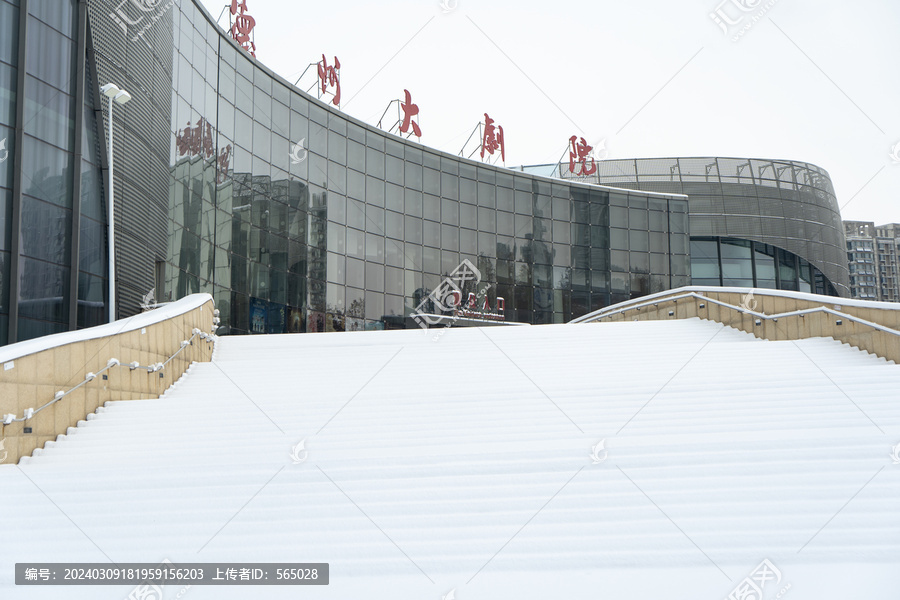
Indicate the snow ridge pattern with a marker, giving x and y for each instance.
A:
(651, 459)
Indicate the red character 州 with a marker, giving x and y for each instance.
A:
(330, 76)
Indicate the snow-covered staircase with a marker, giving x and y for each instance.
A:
(474, 462)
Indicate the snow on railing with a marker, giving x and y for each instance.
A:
(658, 299)
(29, 413)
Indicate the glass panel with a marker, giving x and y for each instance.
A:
(737, 266)
(487, 219)
(638, 240)
(413, 228)
(468, 216)
(92, 247)
(393, 197)
(92, 293)
(375, 163)
(47, 172)
(374, 277)
(49, 115)
(393, 225)
(806, 280)
(618, 238)
(640, 285)
(337, 148)
(394, 170)
(618, 260)
(375, 247)
(787, 270)
(30, 328)
(432, 207)
(413, 203)
(5, 222)
(765, 265)
(49, 55)
(374, 191)
(450, 238)
(46, 230)
(356, 156)
(9, 33)
(637, 218)
(449, 211)
(43, 291)
(639, 262)
(355, 243)
(432, 182)
(449, 186)
(355, 274)
(705, 262)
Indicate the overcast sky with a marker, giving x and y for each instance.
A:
(815, 81)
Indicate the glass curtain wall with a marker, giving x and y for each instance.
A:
(47, 162)
(354, 227)
(742, 263)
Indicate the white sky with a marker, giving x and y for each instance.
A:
(814, 81)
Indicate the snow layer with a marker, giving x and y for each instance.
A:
(468, 460)
(828, 301)
(145, 319)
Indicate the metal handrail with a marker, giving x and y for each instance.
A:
(742, 310)
(112, 362)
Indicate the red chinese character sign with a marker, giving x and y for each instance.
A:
(409, 111)
(199, 140)
(580, 152)
(329, 76)
(488, 139)
(492, 139)
(406, 110)
(242, 26)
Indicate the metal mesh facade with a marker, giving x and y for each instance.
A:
(137, 58)
(787, 204)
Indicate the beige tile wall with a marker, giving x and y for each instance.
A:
(34, 379)
(885, 345)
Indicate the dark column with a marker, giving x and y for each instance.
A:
(17, 178)
(80, 48)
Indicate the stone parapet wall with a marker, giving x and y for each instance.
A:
(33, 372)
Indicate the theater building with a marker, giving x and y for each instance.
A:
(297, 217)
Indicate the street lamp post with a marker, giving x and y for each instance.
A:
(112, 92)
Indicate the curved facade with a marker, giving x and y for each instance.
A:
(784, 205)
(353, 229)
(355, 234)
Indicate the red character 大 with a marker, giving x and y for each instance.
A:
(329, 76)
(493, 138)
(409, 111)
(580, 152)
(243, 25)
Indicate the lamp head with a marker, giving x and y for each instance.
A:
(122, 97)
(110, 90)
